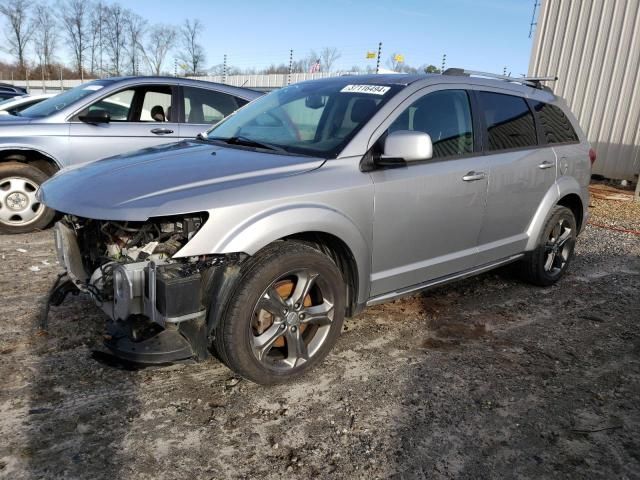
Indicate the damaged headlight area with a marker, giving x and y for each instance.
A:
(156, 303)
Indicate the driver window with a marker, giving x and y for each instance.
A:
(118, 105)
(446, 117)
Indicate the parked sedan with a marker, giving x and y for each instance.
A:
(95, 120)
(13, 106)
(10, 91)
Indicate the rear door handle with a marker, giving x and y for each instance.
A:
(161, 131)
(545, 164)
(473, 176)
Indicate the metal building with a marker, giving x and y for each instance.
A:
(593, 47)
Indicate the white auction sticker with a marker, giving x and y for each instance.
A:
(372, 89)
(95, 88)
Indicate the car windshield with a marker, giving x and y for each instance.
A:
(311, 118)
(52, 105)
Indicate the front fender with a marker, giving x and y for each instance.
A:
(31, 148)
(562, 187)
(258, 231)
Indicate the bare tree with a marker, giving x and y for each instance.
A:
(192, 53)
(328, 56)
(45, 36)
(159, 41)
(393, 63)
(97, 19)
(20, 30)
(75, 19)
(114, 36)
(135, 28)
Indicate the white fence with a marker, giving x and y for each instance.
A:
(250, 81)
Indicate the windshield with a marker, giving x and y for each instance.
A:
(312, 118)
(52, 105)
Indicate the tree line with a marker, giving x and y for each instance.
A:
(100, 39)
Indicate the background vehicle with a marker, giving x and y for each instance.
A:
(96, 120)
(9, 91)
(13, 106)
(318, 200)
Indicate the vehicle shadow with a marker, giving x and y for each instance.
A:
(514, 381)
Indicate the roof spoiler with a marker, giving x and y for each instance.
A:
(535, 82)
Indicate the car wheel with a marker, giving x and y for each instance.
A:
(549, 261)
(20, 210)
(285, 315)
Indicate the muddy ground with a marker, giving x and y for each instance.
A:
(486, 378)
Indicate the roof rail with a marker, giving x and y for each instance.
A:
(534, 82)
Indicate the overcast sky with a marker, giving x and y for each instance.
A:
(476, 34)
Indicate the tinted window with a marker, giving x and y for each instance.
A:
(208, 106)
(446, 117)
(555, 125)
(509, 121)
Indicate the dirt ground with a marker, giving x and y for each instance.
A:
(486, 378)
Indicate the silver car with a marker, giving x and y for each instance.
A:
(255, 240)
(95, 120)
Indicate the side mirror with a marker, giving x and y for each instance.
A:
(408, 146)
(95, 117)
(314, 101)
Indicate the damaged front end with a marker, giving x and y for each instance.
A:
(157, 302)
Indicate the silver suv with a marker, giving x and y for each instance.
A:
(95, 120)
(314, 202)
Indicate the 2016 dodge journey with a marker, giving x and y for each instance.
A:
(255, 240)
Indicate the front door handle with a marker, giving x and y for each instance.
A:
(161, 131)
(473, 176)
(546, 164)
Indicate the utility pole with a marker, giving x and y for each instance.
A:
(61, 84)
(224, 69)
(379, 57)
(44, 87)
(444, 62)
(290, 66)
(175, 67)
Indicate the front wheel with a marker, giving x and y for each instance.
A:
(20, 210)
(285, 315)
(549, 261)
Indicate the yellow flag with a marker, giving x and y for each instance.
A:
(371, 54)
(398, 57)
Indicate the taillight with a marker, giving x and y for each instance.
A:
(592, 156)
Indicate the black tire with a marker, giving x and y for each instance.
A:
(19, 222)
(235, 335)
(539, 267)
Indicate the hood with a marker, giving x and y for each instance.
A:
(151, 182)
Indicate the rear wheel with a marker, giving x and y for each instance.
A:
(20, 210)
(285, 316)
(549, 261)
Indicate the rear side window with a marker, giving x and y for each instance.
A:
(508, 120)
(555, 125)
(208, 106)
(446, 116)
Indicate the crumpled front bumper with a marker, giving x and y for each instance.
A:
(156, 310)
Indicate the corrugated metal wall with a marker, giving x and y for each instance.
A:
(593, 46)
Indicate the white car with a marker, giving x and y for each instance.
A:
(15, 105)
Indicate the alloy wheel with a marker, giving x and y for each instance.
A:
(291, 320)
(557, 249)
